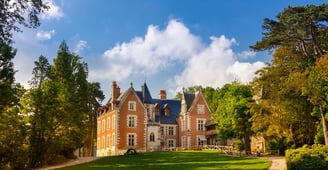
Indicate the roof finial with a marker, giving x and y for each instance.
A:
(131, 84)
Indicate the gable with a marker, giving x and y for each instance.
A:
(200, 100)
(130, 95)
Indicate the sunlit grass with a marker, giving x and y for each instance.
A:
(186, 160)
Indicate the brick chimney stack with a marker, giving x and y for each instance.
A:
(115, 90)
(162, 94)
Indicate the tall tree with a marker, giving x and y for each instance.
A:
(232, 114)
(299, 38)
(39, 118)
(317, 90)
(95, 97)
(304, 28)
(40, 72)
(69, 73)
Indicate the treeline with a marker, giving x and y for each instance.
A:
(57, 115)
(287, 102)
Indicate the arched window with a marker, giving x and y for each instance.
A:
(152, 137)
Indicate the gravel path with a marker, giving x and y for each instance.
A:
(278, 163)
(70, 163)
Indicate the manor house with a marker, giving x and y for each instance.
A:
(134, 119)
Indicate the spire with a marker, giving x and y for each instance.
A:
(146, 94)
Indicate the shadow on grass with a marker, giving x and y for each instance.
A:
(175, 160)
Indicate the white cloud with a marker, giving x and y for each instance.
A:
(246, 54)
(80, 46)
(176, 48)
(54, 11)
(215, 66)
(148, 55)
(45, 35)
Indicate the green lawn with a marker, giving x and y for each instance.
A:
(186, 160)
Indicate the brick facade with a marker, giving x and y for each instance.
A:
(133, 119)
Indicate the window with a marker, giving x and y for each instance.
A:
(132, 121)
(132, 106)
(108, 141)
(131, 139)
(162, 130)
(98, 127)
(171, 130)
(157, 111)
(200, 109)
(113, 139)
(200, 125)
(171, 143)
(103, 124)
(103, 142)
(98, 143)
(108, 123)
(113, 122)
(200, 140)
(152, 137)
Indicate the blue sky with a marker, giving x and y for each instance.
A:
(170, 44)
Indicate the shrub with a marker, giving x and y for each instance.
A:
(315, 157)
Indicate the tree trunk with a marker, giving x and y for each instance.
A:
(324, 125)
(247, 143)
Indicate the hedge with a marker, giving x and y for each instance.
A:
(308, 157)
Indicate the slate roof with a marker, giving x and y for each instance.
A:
(146, 98)
(175, 107)
(144, 95)
(189, 98)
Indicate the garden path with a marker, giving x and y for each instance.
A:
(278, 163)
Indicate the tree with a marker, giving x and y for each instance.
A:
(7, 53)
(35, 107)
(40, 72)
(95, 97)
(304, 28)
(232, 114)
(282, 111)
(15, 13)
(70, 74)
(299, 38)
(317, 91)
(13, 134)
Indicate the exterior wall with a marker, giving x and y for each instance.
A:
(196, 134)
(139, 130)
(105, 132)
(113, 126)
(166, 137)
(156, 144)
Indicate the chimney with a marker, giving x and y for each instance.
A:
(115, 91)
(162, 94)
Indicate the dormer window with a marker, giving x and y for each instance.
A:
(132, 106)
(157, 110)
(167, 110)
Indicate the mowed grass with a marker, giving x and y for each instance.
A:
(184, 160)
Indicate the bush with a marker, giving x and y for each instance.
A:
(307, 157)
